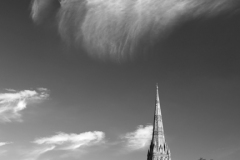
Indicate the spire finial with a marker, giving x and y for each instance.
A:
(157, 95)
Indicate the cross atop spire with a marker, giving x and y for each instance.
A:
(158, 148)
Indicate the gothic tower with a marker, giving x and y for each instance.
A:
(158, 148)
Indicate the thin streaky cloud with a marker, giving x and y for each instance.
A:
(4, 143)
(10, 90)
(138, 139)
(3, 152)
(72, 141)
(13, 103)
(37, 152)
(43, 89)
(224, 152)
(71, 144)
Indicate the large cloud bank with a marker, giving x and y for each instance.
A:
(114, 28)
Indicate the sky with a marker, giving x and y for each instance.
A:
(59, 103)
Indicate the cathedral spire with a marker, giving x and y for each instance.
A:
(158, 134)
(158, 148)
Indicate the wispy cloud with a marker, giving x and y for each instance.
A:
(138, 139)
(36, 153)
(71, 143)
(10, 90)
(226, 152)
(4, 143)
(12, 103)
(3, 151)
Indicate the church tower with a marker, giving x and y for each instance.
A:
(158, 148)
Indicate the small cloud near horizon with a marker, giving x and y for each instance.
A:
(4, 143)
(138, 139)
(37, 152)
(70, 143)
(14, 102)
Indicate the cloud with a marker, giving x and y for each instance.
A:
(115, 28)
(65, 141)
(10, 90)
(70, 143)
(226, 152)
(13, 103)
(3, 151)
(37, 152)
(4, 143)
(138, 139)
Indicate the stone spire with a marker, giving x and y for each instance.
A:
(158, 147)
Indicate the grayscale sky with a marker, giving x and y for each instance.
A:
(58, 103)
